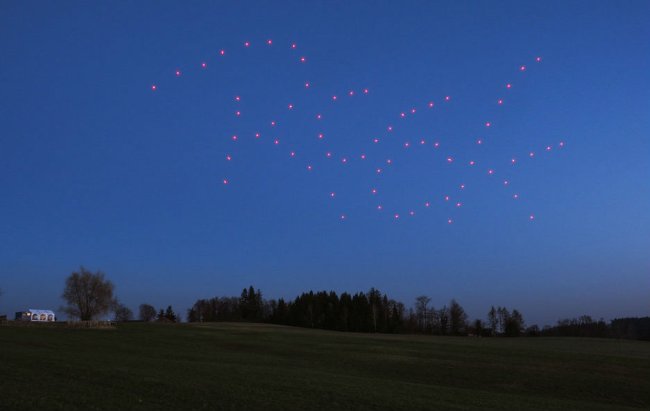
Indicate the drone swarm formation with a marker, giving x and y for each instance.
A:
(378, 165)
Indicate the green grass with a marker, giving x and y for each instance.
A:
(263, 367)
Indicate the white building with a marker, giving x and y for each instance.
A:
(36, 315)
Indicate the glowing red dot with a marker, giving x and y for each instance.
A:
(351, 93)
(500, 101)
(447, 98)
(154, 87)
(412, 111)
(344, 160)
(522, 68)
(402, 115)
(309, 167)
(375, 140)
(548, 148)
(513, 160)
(506, 182)
(320, 136)
(396, 216)
(379, 207)
(222, 52)
(538, 59)
(178, 73)
(462, 186)
(531, 217)
(365, 91)
(378, 171)
(228, 157)
(459, 204)
(225, 181)
(374, 191)
(472, 162)
(508, 85)
(531, 154)
(389, 128)
(293, 46)
(257, 135)
(303, 59)
(234, 138)
(273, 123)
(334, 98)
(427, 204)
(290, 106)
(332, 194)
(446, 198)
(246, 44)
(488, 124)
(407, 144)
(479, 141)
(422, 142)
(319, 116)
(237, 98)
(363, 156)
(436, 144)
(269, 42)
(238, 113)
(561, 144)
(431, 104)
(389, 161)
(204, 65)
(276, 141)
(450, 159)
(307, 84)
(450, 221)
(490, 171)
(328, 154)
(292, 154)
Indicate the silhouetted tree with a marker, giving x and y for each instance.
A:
(502, 317)
(637, 328)
(88, 295)
(443, 321)
(478, 328)
(457, 319)
(170, 314)
(122, 313)
(514, 323)
(250, 304)
(532, 331)
(493, 321)
(422, 312)
(147, 312)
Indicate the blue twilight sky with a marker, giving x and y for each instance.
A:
(98, 170)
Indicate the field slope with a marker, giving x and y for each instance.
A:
(262, 367)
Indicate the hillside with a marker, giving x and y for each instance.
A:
(231, 366)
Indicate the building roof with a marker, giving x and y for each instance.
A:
(39, 312)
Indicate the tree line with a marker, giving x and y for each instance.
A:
(89, 295)
(370, 311)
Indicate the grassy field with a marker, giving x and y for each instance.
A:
(264, 367)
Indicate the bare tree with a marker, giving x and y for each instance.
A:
(421, 310)
(493, 320)
(123, 313)
(147, 312)
(88, 295)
